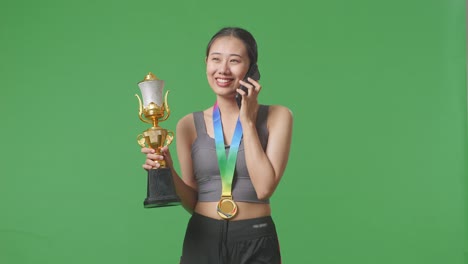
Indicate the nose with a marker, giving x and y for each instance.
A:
(224, 69)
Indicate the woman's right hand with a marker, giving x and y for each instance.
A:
(152, 158)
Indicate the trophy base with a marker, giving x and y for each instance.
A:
(161, 190)
(160, 203)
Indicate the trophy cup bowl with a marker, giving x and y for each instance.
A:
(160, 186)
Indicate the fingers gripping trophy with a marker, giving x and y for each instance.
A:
(160, 187)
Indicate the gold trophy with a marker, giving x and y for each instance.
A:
(160, 187)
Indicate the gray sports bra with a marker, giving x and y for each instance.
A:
(206, 169)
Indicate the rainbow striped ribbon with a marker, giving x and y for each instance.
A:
(226, 164)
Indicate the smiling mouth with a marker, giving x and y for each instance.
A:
(224, 82)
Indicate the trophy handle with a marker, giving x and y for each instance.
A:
(141, 140)
(140, 112)
(169, 137)
(166, 106)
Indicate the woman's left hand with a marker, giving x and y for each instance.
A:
(249, 107)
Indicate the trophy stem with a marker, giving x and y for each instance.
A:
(162, 163)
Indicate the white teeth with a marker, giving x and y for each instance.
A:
(222, 80)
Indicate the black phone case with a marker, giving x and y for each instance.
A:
(253, 73)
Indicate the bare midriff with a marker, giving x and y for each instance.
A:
(244, 210)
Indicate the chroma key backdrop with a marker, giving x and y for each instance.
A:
(377, 169)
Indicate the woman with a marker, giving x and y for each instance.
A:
(228, 197)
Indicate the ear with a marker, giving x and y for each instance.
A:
(206, 59)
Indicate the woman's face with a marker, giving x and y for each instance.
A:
(226, 64)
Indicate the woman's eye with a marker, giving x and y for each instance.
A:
(215, 59)
(235, 61)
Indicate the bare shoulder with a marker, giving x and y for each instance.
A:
(186, 128)
(279, 114)
(186, 122)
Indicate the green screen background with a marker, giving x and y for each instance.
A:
(378, 160)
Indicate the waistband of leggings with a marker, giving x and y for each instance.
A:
(240, 229)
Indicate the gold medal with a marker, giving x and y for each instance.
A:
(227, 208)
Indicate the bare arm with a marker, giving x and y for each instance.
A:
(186, 135)
(267, 167)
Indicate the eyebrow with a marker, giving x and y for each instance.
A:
(219, 53)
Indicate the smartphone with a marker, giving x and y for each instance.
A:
(253, 73)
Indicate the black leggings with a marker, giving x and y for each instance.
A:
(211, 241)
